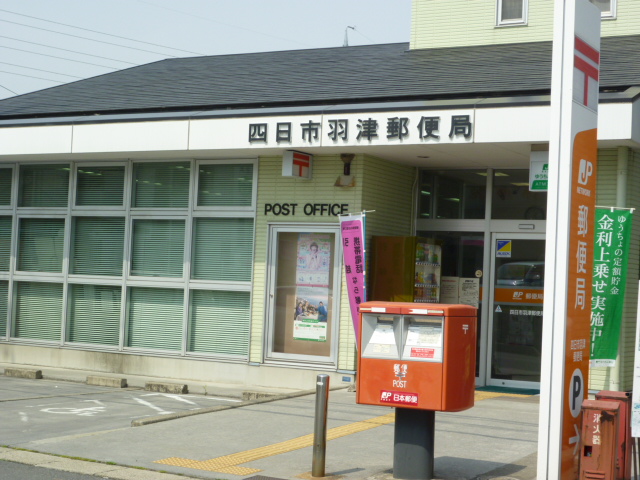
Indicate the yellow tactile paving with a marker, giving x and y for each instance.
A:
(229, 463)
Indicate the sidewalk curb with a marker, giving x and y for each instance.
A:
(173, 416)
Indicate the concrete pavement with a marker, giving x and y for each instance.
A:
(495, 439)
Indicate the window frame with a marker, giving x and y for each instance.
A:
(17, 190)
(13, 189)
(132, 194)
(126, 194)
(500, 22)
(232, 210)
(611, 14)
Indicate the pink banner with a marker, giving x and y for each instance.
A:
(352, 229)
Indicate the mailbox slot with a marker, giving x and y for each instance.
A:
(423, 338)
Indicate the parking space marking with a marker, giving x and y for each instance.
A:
(170, 395)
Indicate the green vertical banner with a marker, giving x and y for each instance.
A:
(611, 258)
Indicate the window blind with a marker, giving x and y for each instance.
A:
(512, 10)
(98, 245)
(94, 314)
(158, 248)
(225, 185)
(219, 322)
(38, 311)
(44, 185)
(41, 244)
(161, 185)
(222, 249)
(5, 186)
(5, 243)
(155, 318)
(100, 186)
(4, 303)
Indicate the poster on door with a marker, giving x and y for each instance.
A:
(314, 259)
(311, 315)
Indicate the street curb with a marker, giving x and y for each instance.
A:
(165, 387)
(173, 416)
(106, 381)
(23, 373)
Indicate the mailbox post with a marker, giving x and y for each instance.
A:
(418, 358)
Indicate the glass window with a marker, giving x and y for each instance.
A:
(38, 311)
(4, 303)
(5, 185)
(607, 7)
(219, 322)
(98, 245)
(222, 249)
(512, 12)
(512, 200)
(100, 186)
(158, 248)
(229, 185)
(41, 245)
(161, 185)
(44, 186)
(5, 243)
(155, 318)
(94, 314)
(462, 267)
(453, 194)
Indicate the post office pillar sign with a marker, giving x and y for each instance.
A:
(297, 164)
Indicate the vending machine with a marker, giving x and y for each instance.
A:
(405, 269)
(417, 356)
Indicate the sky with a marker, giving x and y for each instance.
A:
(46, 43)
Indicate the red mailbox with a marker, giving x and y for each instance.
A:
(598, 439)
(417, 355)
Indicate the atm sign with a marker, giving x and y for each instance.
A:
(399, 398)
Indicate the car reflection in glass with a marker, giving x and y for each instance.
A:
(521, 274)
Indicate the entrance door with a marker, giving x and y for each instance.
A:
(303, 294)
(516, 300)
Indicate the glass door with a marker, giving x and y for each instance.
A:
(517, 267)
(303, 294)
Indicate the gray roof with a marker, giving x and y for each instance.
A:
(374, 73)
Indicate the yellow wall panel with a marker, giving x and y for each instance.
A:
(434, 23)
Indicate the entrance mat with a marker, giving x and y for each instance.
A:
(506, 390)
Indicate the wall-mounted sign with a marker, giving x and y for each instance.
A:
(308, 209)
(539, 172)
(297, 164)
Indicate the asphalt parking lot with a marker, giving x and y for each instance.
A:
(37, 410)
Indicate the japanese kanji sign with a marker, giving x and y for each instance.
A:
(572, 173)
(611, 255)
(352, 229)
(407, 127)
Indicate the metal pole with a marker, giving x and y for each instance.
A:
(413, 444)
(320, 426)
